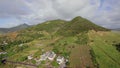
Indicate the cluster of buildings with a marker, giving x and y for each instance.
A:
(50, 55)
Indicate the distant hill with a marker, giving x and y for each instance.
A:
(19, 27)
(117, 29)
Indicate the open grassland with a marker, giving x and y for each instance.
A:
(106, 54)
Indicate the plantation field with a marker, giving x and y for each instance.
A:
(106, 54)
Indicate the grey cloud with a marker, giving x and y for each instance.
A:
(108, 17)
(11, 8)
(36, 11)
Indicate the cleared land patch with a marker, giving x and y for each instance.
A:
(80, 57)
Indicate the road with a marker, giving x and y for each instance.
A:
(13, 62)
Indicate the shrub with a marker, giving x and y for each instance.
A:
(23, 58)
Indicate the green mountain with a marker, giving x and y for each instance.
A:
(83, 43)
(60, 27)
(78, 25)
(49, 29)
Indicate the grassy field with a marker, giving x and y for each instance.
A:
(106, 54)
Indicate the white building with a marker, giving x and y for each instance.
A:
(60, 59)
(30, 57)
(20, 45)
(51, 56)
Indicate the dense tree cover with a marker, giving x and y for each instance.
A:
(56, 50)
(2, 56)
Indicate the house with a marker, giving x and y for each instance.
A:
(30, 57)
(51, 55)
(60, 59)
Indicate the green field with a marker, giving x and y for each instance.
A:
(106, 54)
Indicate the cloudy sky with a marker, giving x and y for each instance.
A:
(102, 12)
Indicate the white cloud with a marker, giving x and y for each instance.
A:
(61, 9)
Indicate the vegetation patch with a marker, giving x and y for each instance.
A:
(117, 46)
(94, 58)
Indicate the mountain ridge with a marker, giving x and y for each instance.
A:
(116, 29)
